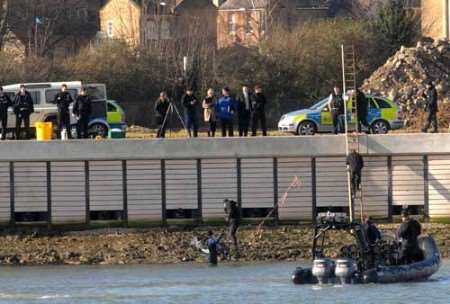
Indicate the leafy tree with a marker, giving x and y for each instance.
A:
(394, 25)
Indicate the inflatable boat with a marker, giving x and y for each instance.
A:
(360, 264)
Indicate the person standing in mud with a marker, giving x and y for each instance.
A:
(431, 107)
(213, 243)
(233, 219)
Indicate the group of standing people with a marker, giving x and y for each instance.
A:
(248, 107)
(82, 110)
(23, 107)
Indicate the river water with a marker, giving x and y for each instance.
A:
(200, 284)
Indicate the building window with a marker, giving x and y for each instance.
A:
(262, 23)
(248, 23)
(413, 3)
(231, 23)
(110, 29)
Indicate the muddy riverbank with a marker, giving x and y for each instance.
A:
(155, 246)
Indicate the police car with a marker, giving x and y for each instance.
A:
(382, 115)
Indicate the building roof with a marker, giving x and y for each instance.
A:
(244, 4)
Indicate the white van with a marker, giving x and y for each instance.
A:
(43, 95)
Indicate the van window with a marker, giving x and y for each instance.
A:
(372, 104)
(50, 94)
(111, 107)
(96, 92)
(383, 104)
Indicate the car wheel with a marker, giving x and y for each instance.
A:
(98, 129)
(306, 128)
(380, 127)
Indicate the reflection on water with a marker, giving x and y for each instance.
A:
(193, 283)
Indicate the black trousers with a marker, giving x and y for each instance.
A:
(244, 123)
(233, 226)
(259, 117)
(192, 124)
(82, 127)
(25, 119)
(4, 119)
(161, 132)
(431, 122)
(212, 125)
(356, 181)
(227, 125)
(64, 122)
(362, 121)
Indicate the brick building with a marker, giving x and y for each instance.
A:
(141, 21)
(246, 22)
(436, 18)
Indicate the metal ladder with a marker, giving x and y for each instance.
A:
(352, 141)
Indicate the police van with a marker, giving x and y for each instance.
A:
(45, 110)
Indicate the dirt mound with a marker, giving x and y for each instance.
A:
(403, 78)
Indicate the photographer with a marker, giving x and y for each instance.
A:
(162, 105)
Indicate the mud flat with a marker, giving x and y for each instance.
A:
(172, 245)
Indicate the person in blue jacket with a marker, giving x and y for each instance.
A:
(225, 109)
(213, 244)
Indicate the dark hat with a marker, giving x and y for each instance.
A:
(210, 233)
(405, 212)
(430, 83)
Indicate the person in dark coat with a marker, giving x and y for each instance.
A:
(355, 164)
(225, 109)
(23, 107)
(5, 103)
(213, 244)
(63, 101)
(233, 219)
(82, 109)
(408, 233)
(190, 104)
(362, 106)
(259, 103)
(372, 235)
(337, 110)
(162, 105)
(431, 98)
(244, 102)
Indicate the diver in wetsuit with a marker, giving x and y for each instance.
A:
(233, 218)
(213, 243)
(408, 232)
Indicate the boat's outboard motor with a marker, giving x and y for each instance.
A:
(303, 276)
(345, 268)
(322, 270)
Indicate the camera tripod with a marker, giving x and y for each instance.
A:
(168, 118)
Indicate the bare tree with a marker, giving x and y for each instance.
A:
(42, 25)
(3, 20)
